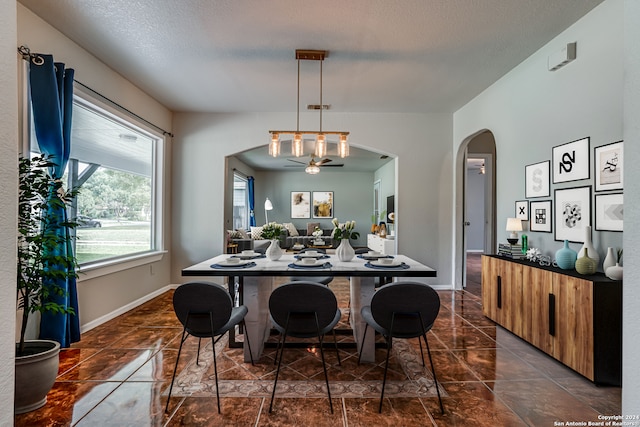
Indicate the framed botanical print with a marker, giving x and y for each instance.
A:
(323, 204)
(522, 210)
(572, 213)
(540, 216)
(300, 204)
(609, 212)
(571, 161)
(536, 179)
(608, 166)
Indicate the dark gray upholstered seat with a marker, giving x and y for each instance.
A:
(205, 310)
(403, 310)
(303, 310)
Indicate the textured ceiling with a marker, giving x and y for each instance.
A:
(384, 55)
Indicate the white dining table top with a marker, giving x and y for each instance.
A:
(266, 267)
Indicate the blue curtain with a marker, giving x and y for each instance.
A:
(52, 102)
(252, 202)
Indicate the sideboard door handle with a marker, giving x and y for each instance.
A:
(552, 315)
(499, 292)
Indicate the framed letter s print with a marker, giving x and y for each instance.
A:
(536, 178)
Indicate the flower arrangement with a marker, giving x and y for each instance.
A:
(317, 233)
(345, 231)
(271, 231)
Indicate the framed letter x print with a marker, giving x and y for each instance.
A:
(540, 216)
(536, 178)
(522, 210)
(571, 161)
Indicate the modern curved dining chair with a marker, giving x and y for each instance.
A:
(325, 280)
(205, 310)
(303, 310)
(403, 310)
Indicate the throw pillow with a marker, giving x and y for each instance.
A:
(243, 233)
(311, 226)
(256, 233)
(233, 234)
(291, 229)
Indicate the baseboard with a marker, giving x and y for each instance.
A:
(475, 251)
(103, 319)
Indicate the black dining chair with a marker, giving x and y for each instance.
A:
(205, 310)
(325, 280)
(303, 310)
(403, 310)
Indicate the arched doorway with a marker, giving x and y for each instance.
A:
(475, 207)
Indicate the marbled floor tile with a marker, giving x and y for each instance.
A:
(198, 411)
(478, 319)
(146, 337)
(395, 412)
(450, 368)
(606, 400)
(67, 402)
(542, 402)
(450, 320)
(464, 338)
(497, 364)
(160, 366)
(131, 404)
(102, 336)
(108, 365)
(301, 412)
(543, 363)
(70, 357)
(161, 318)
(471, 404)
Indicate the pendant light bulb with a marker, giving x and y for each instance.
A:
(274, 145)
(343, 146)
(321, 145)
(296, 145)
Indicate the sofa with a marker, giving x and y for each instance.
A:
(251, 240)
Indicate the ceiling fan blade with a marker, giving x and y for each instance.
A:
(339, 165)
(323, 161)
(295, 161)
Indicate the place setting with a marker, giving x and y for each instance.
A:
(234, 262)
(311, 263)
(374, 256)
(311, 255)
(248, 254)
(386, 263)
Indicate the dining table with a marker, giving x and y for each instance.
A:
(259, 273)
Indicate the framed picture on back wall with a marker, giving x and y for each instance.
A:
(608, 166)
(540, 216)
(536, 178)
(572, 213)
(300, 204)
(571, 161)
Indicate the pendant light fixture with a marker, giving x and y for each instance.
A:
(297, 143)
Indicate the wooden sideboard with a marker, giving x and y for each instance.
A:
(574, 318)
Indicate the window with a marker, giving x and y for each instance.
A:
(114, 162)
(240, 202)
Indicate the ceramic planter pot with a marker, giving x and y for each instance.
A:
(35, 374)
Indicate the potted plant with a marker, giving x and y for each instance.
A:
(272, 231)
(344, 232)
(39, 260)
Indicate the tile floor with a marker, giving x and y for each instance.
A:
(117, 374)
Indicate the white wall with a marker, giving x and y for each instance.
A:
(100, 296)
(423, 201)
(531, 110)
(631, 288)
(9, 197)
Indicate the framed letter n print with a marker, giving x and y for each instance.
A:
(571, 161)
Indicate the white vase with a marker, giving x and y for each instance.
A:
(344, 251)
(609, 260)
(593, 253)
(614, 272)
(274, 252)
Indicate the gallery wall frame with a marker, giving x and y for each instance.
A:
(571, 161)
(608, 167)
(537, 179)
(300, 204)
(322, 204)
(541, 216)
(609, 210)
(572, 213)
(522, 210)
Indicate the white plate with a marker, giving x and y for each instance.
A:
(247, 255)
(367, 256)
(226, 263)
(318, 263)
(308, 255)
(379, 263)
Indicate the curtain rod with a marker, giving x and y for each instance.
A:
(26, 54)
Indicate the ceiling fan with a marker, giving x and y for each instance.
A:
(313, 167)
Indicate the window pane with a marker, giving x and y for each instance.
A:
(240, 203)
(112, 162)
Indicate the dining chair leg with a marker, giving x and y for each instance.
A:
(386, 367)
(275, 360)
(175, 368)
(246, 338)
(279, 357)
(364, 335)
(324, 365)
(433, 372)
(215, 363)
(198, 353)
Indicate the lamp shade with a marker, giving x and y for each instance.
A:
(514, 224)
(268, 206)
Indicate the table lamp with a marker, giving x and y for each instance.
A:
(513, 225)
(268, 206)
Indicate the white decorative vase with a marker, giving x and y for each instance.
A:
(274, 251)
(609, 260)
(593, 253)
(344, 251)
(615, 272)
